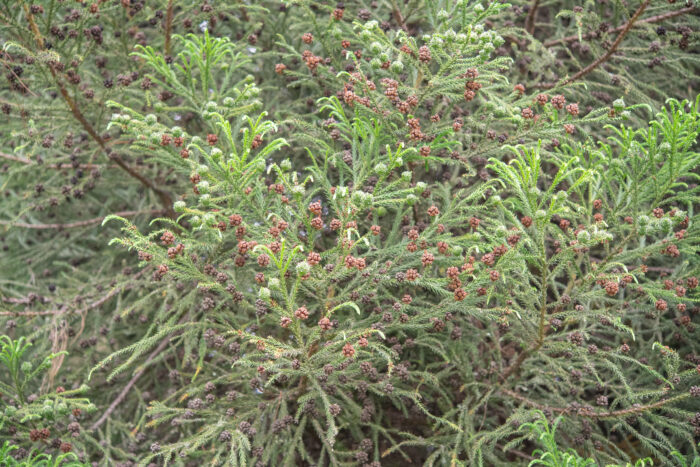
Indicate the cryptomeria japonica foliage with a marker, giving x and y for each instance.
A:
(358, 234)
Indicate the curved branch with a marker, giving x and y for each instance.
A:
(604, 58)
(163, 195)
(651, 19)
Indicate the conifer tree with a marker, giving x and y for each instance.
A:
(308, 233)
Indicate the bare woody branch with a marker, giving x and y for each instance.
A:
(651, 19)
(603, 58)
(163, 195)
(72, 225)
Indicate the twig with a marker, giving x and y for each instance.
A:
(64, 310)
(530, 20)
(660, 269)
(52, 166)
(398, 16)
(589, 413)
(128, 386)
(651, 19)
(163, 195)
(24, 300)
(516, 452)
(72, 225)
(168, 26)
(16, 76)
(15, 158)
(604, 58)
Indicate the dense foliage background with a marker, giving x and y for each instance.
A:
(443, 232)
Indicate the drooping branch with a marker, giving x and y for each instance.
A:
(163, 195)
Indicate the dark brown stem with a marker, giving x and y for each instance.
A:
(605, 57)
(398, 16)
(168, 26)
(163, 195)
(530, 20)
(511, 369)
(244, 14)
(73, 225)
(651, 19)
(16, 77)
(516, 452)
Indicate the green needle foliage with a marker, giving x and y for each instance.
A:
(443, 232)
(552, 456)
(32, 410)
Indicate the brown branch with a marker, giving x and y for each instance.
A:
(168, 26)
(530, 20)
(661, 269)
(398, 16)
(52, 166)
(16, 77)
(604, 58)
(516, 452)
(589, 413)
(72, 225)
(521, 358)
(128, 386)
(63, 310)
(15, 158)
(651, 19)
(23, 301)
(244, 14)
(163, 195)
